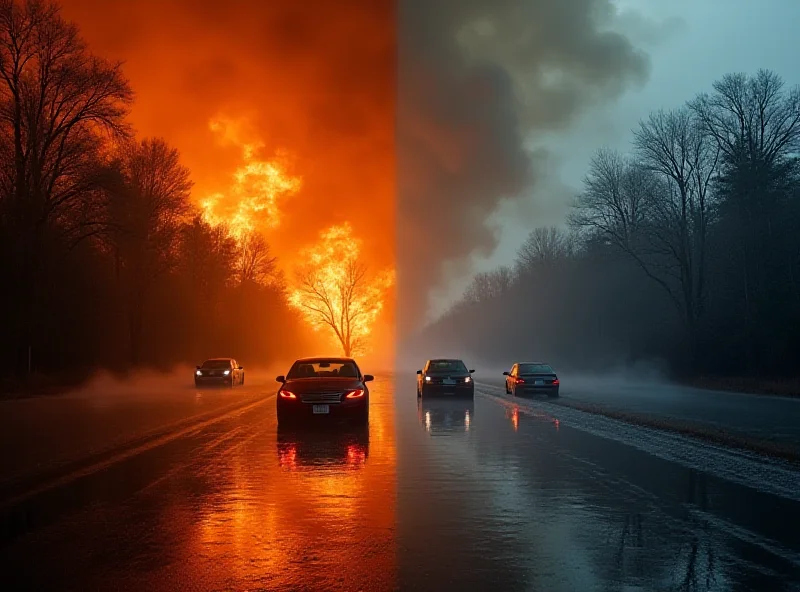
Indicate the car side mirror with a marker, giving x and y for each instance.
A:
(419, 371)
(472, 371)
(241, 367)
(281, 379)
(197, 367)
(506, 374)
(368, 378)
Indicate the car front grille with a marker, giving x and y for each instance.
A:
(329, 397)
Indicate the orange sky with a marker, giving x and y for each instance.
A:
(316, 83)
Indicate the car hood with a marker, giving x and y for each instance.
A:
(321, 385)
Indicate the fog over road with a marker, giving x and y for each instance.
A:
(497, 494)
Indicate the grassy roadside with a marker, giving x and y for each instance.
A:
(752, 386)
(696, 430)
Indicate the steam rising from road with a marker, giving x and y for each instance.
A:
(477, 81)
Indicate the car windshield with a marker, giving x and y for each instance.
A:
(323, 369)
(216, 364)
(535, 369)
(447, 366)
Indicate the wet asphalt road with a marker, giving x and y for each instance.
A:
(770, 418)
(447, 495)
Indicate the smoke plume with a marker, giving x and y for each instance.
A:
(477, 81)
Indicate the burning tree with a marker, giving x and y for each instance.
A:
(333, 289)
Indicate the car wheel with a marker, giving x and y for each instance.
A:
(241, 382)
(553, 395)
(508, 391)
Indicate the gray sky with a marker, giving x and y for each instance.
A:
(691, 43)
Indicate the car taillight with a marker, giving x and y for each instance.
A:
(556, 382)
(355, 394)
(520, 381)
(288, 394)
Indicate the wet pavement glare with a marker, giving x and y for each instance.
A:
(440, 495)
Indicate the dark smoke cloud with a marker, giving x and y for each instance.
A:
(477, 79)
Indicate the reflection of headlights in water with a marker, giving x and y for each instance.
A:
(466, 420)
(428, 421)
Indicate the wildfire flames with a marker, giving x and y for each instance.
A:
(253, 199)
(332, 288)
(334, 293)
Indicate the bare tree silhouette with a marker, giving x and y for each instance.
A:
(57, 104)
(148, 208)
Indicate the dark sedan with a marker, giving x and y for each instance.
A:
(219, 372)
(532, 378)
(324, 388)
(445, 377)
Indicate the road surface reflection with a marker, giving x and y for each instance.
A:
(439, 416)
(435, 495)
(306, 515)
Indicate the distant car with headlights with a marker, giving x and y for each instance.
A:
(446, 377)
(532, 378)
(324, 389)
(219, 372)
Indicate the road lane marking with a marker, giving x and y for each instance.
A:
(125, 451)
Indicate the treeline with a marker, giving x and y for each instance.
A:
(104, 259)
(684, 250)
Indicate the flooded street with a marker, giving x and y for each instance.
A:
(445, 495)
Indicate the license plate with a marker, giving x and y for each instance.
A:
(321, 409)
(448, 381)
(538, 382)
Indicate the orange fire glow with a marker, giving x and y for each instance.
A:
(330, 296)
(252, 202)
(286, 134)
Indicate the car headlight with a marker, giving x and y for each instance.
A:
(198, 373)
(226, 372)
(427, 379)
(468, 379)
